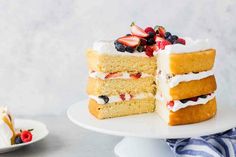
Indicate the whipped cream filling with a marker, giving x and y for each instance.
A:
(5, 131)
(108, 47)
(119, 98)
(173, 81)
(189, 47)
(179, 105)
(120, 75)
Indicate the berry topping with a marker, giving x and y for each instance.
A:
(129, 49)
(171, 103)
(137, 31)
(113, 75)
(161, 31)
(119, 46)
(149, 51)
(163, 43)
(26, 136)
(131, 40)
(143, 42)
(122, 96)
(151, 41)
(140, 48)
(180, 41)
(149, 29)
(184, 100)
(167, 34)
(18, 140)
(104, 97)
(135, 76)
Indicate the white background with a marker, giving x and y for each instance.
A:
(42, 44)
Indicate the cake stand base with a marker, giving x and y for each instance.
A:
(142, 147)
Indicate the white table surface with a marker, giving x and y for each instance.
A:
(78, 142)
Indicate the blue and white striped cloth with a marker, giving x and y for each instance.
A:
(217, 145)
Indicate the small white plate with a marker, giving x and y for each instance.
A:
(40, 132)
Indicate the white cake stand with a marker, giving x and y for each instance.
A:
(144, 134)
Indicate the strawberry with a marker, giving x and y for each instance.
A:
(149, 51)
(161, 31)
(131, 40)
(157, 38)
(122, 96)
(180, 41)
(113, 75)
(149, 29)
(171, 103)
(137, 31)
(163, 43)
(135, 76)
(26, 136)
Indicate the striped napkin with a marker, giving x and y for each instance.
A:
(217, 145)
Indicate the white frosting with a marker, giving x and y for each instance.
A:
(123, 75)
(117, 98)
(5, 131)
(178, 104)
(176, 79)
(190, 46)
(108, 47)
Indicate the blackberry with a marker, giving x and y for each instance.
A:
(119, 46)
(18, 140)
(167, 34)
(140, 48)
(151, 41)
(129, 49)
(151, 34)
(104, 97)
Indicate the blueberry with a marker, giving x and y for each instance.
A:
(151, 34)
(119, 46)
(129, 49)
(184, 100)
(140, 48)
(151, 41)
(18, 140)
(203, 96)
(104, 97)
(174, 37)
(128, 34)
(167, 34)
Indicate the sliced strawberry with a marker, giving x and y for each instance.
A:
(113, 75)
(157, 38)
(163, 43)
(135, 76)
(131, 40)
(161, 31)
(137, 31)
(171, 103)
(180, 41)
(155, 47)
(149, 29)
(194, 99)
(149, 51)
(122, 96)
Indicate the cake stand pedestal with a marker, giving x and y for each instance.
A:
(145, 134)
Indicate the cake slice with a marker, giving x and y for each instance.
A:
(120, 83)
(7, 130)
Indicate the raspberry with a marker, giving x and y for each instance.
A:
(26, 136)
